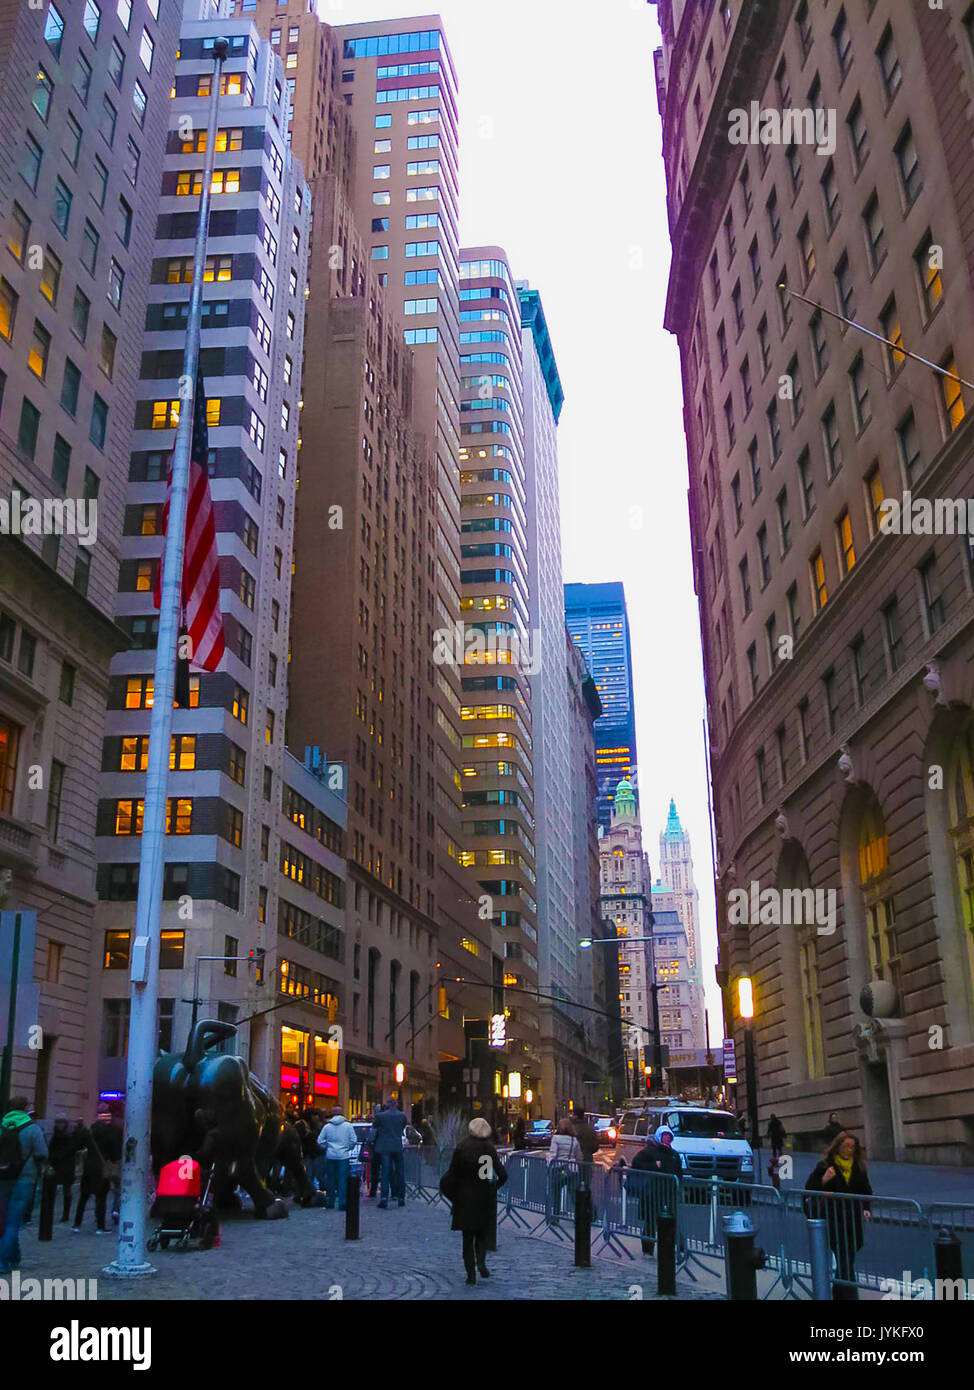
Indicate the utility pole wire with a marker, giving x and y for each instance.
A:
(896, 347)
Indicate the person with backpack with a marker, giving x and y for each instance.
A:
(23, 1155)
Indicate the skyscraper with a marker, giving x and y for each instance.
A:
(378, 531)
(676, 873)
(627, 903)
(255, 841)
(835, 650)
(84, 111)
(597, 619)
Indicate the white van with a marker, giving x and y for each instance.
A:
(709, 1141)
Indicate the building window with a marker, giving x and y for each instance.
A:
(889, 321)
(874, 498)
(752, 668)
(745, 585)
(755, 469)
(830, 196)
(794, 617)
(859, 673)
(774, 219)
(860, 394)
(893, 634)
(932, 590)
(774, 431)
(875, 233)
(889, 64)
(784, 520)
(847, 549)
(951, 395)
(927, 259)
(908, 164)
(858, 134)
(909, 446)
(833, 444)
(820, 593)
(830, 690)
(842, 41)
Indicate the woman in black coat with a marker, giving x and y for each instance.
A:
(842, 1170)
(470, 1185)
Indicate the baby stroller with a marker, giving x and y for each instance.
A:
(182, 1214)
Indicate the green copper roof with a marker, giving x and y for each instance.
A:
(674, 830)
(624, 799)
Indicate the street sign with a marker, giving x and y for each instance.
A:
(730, 1060)
(498, 1031)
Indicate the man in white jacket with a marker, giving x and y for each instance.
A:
(338, 1141)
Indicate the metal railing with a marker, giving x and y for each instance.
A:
(878, 1244)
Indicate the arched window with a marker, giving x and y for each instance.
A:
(961, 786)
(877, 898)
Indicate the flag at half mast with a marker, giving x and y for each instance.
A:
(201, 619)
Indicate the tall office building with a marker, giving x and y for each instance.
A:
(676, 872)
(670, 949)
(255, 841)
(597, 1034)
(627, 904)
(378, 532)
(836, 653)
(564, 1059)
(598, 620)
(498, 764)
(84, 114)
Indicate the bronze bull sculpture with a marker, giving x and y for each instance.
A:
(209, 1105)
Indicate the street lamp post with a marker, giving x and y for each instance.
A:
(745, 996)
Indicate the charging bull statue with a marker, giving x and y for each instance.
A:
(209, 1105)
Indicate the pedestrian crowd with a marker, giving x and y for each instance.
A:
(89, 1156)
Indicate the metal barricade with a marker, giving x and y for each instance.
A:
(704, 1202)
(421, 1166)
(957, 1218)
(876, 1243)
(629, 1202)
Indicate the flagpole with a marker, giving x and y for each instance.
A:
(136, 1165)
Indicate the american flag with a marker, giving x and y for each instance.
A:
(202, 621)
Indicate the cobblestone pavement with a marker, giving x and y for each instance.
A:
(403, 1253)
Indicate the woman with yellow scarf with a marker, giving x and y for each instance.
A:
(842, 1173)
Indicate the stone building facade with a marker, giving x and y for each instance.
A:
(838, 655)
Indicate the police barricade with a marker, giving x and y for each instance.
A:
(876, 1243)
(957, 1219)
(629, 1202)
(526, 1189)
(422, 1170)
(703, 1204)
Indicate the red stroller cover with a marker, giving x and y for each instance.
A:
(181, 1178)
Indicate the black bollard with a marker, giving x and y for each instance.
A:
(742, 1260)
(583, 1228)
(353, 1189)
(45, 1223)
(666, 1253)
(947, 1255)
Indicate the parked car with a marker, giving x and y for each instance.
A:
(538, 1134)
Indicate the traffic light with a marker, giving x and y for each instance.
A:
(256, 956)
(647, 1057)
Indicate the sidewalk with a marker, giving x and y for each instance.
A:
(404, 1253)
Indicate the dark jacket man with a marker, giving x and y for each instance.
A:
(388, 1127)
(588, 1140)
(776, 1134)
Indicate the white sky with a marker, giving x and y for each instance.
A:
(560, 164)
